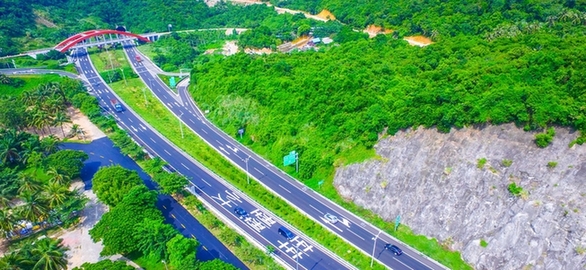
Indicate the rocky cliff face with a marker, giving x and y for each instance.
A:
(434, 182)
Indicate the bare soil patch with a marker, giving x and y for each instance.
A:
(373, 30)
(326, 15)
(230, 48)
(87, 131)
(420, 41)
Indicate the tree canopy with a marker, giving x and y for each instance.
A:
(111, 184)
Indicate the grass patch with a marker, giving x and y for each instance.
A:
(552, 164)
(507, 162)
(30, 82)
(148, 50)
(162, 120)
(480, 163)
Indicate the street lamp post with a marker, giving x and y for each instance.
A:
(123, 76)
(373, 248)
(247, 173)
(144, 94)
(180, 125)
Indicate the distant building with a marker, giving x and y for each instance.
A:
(327, 40)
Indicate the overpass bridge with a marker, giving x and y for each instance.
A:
(94, 38)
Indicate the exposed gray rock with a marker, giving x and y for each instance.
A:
(433, 181)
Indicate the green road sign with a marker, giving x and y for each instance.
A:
(397, 221)
(172, 82)
(289, 159)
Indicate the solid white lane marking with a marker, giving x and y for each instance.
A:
(357, 235)
(316, 209)
(284, 188)
(206, 182)
(258, 171)
(403, 263)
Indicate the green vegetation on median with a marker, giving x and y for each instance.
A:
(162, 120)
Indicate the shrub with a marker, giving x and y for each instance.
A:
(552, 164)
(481, 163)
(507, 162)
(514, 189)
(483, 243)
(544, 139)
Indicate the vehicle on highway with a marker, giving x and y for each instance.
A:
(240, 212)
(286, 233)
(394, 249)
(331, 218)
(138, 58)
(116, 104)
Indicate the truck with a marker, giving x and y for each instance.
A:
(138, 58)
(116, 104)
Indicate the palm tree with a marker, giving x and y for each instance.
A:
(49, 254)
(5, 79)
(29, 147)
(57, 176)
(29, 98)
(12, 261)
(8, 150)
(56, 194)
(60, 119)
(6, 221)
(50, 144)
(77, 130)
(28, 184)
(34, 207)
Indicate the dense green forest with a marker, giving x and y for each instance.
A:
(438, 18)
(329, 102)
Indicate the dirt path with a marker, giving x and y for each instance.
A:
(88, 131)
(82, 248)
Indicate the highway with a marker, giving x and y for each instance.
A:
(213, 191)
(350, 227)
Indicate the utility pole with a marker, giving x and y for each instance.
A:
(13, 63)
(247, 173)
(144, 93)
(123, 76)
(181, 126)
(373, 248)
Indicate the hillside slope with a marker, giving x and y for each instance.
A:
(434, 182)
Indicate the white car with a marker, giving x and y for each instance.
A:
(331, 218)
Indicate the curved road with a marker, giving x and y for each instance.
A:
(358, 232)
(219, 196)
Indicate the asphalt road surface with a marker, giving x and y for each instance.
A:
(102, 152)
(259, 223)
(353, 229)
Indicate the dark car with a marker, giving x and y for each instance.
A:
(394, 249)
(240, 212)
(286, 233)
